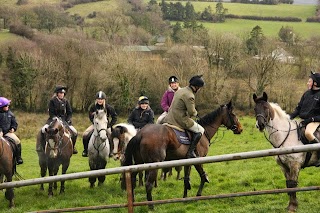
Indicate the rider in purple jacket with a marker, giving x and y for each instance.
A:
(168, 97)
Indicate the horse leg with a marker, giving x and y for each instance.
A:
(187, 185)
(178, 169)
(43, 171)
(151, 178)
(203, 176)
(291, 175)
(141, 178)
(102, 178)
(65, 167)
(9, 194)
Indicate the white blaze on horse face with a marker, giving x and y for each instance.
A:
(53, 152)
(115, 148)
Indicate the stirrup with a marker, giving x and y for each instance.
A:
(191, 154)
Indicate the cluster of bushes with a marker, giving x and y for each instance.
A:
(314, 19)
(274, 2)
(266, 18)
(21, 30)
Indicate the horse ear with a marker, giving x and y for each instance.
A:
(255, 97)
(265, 96)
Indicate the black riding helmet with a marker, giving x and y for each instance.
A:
(101, 95)
(143, 100)
(60, 88)
(316, 78)
(196, 81)
(173, 79)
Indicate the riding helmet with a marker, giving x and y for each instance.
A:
(4, 102)
(60, 89)
(173, 79)
(316, 78)
(196, 81)
(143, 100)
(101, 95)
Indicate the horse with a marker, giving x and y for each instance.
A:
(54, 148)
(157, 143)
(7, 168)
(99, 147)
(283, 133)
(121, 135)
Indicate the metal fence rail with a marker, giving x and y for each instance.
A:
(167, 164)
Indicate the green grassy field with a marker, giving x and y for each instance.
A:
(85, 9)
(225, 177)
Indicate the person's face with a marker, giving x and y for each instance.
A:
(5, 108)
(144, 106)
(60, 95)
(100, 101)
(310, 83)
(174, 85)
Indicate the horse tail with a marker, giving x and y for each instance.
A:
(132, 146)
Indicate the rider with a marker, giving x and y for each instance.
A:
(60, 107)
(100, 103)
(309, 109)
(141, 114)
(168, 97)
(8, 125)
(183, 108)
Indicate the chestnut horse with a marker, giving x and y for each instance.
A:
(156, 143)
(7, 168)
(283, 133)
(54, 148)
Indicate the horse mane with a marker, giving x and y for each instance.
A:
(277, 109)
(130, 128)
(210, 117)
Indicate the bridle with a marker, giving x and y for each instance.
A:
(274, 130)
(57, 138)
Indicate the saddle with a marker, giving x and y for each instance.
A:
(183, 136)
(301, 136)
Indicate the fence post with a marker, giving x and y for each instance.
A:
(129, 192)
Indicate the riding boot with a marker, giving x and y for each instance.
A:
(18, 154)
(74, 140)
(316, 140)
(195, 139)
(85, 142)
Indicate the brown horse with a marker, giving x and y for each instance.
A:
(54, 148)
(282, 132)
(7, 168)
(156, 143)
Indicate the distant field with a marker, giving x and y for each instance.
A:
(238, 26)
(86, 9)
(13, 2)
(6, 36)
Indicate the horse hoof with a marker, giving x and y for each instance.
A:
(92, 185)
(100, 183)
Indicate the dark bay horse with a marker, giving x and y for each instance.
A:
(283, 133)
(7, 168)
(54, 148)
(156, 143)
(99, 147)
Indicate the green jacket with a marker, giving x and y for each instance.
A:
(182, 109)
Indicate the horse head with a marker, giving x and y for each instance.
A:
(53, 136)
(100, 124)
(120, 136)
(263, 111)
(229, 119)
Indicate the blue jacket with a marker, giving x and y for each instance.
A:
(7, 121)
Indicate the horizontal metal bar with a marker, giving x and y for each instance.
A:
(166, 164)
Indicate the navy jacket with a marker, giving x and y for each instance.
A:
(7, 121)
(309, 106)
(139, 117)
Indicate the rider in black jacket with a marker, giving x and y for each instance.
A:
(142, 114)
(308, 109)
(100, 103)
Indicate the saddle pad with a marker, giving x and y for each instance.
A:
(182, 137)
